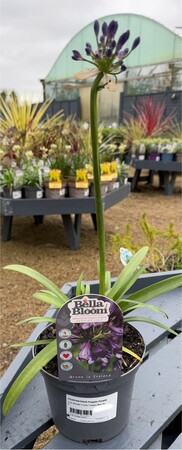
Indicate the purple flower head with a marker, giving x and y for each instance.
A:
(135, 43)
(76, 55)
(109, 54)
(121, 41)
(96, 28)
(98, 345)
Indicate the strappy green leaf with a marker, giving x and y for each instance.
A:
(40, 278)
(27, 374)
(151, 321)
(37, 319)
(43, 297)
(140, 305)
(156, 289)
(127, 275)
(31, 344)
(78, 285)
(107, 280)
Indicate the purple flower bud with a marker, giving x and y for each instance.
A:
(102, 39)
(123, 68)
(76, 55)
(123, 38)
(104, 29)
(96, 27)
(109, 52)
(113, 44)
(88, 51)
(123, 53)
(112, 28)
(135, 43)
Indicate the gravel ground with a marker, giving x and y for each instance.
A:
(44, 248)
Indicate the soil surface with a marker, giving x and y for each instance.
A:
(44, 247)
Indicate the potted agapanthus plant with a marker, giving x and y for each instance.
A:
(80, 354)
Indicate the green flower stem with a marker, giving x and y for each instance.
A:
(97, 185)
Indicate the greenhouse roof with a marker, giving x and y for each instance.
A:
(158, 45)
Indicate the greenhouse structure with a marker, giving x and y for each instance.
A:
(155, 69)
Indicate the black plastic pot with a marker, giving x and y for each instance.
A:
(112, 397)
(13, 192)
(32, 192)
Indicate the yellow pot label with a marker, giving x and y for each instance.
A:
(106, 177)
(55, 185)
(81, 184)
(114, 175)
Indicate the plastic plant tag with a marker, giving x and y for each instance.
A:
(62, 192)
(55, 185)
(81, 184)
(39, 194)
(106, 177)
(16, 194)
(125, 255)
(116, 185)
(89, 330)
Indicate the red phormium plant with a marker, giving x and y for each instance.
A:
(150, 117)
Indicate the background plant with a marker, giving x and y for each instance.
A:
(165, 247)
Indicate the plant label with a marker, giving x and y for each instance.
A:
(89, 330)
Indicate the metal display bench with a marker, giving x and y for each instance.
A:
(66, 207)
(167, 172)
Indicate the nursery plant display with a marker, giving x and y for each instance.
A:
(101, 360)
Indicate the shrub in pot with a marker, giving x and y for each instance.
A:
(98, 345)
(32, 182)
(11, 181)
(167, 152)
(152, 149)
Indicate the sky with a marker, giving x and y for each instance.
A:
(33, 34)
